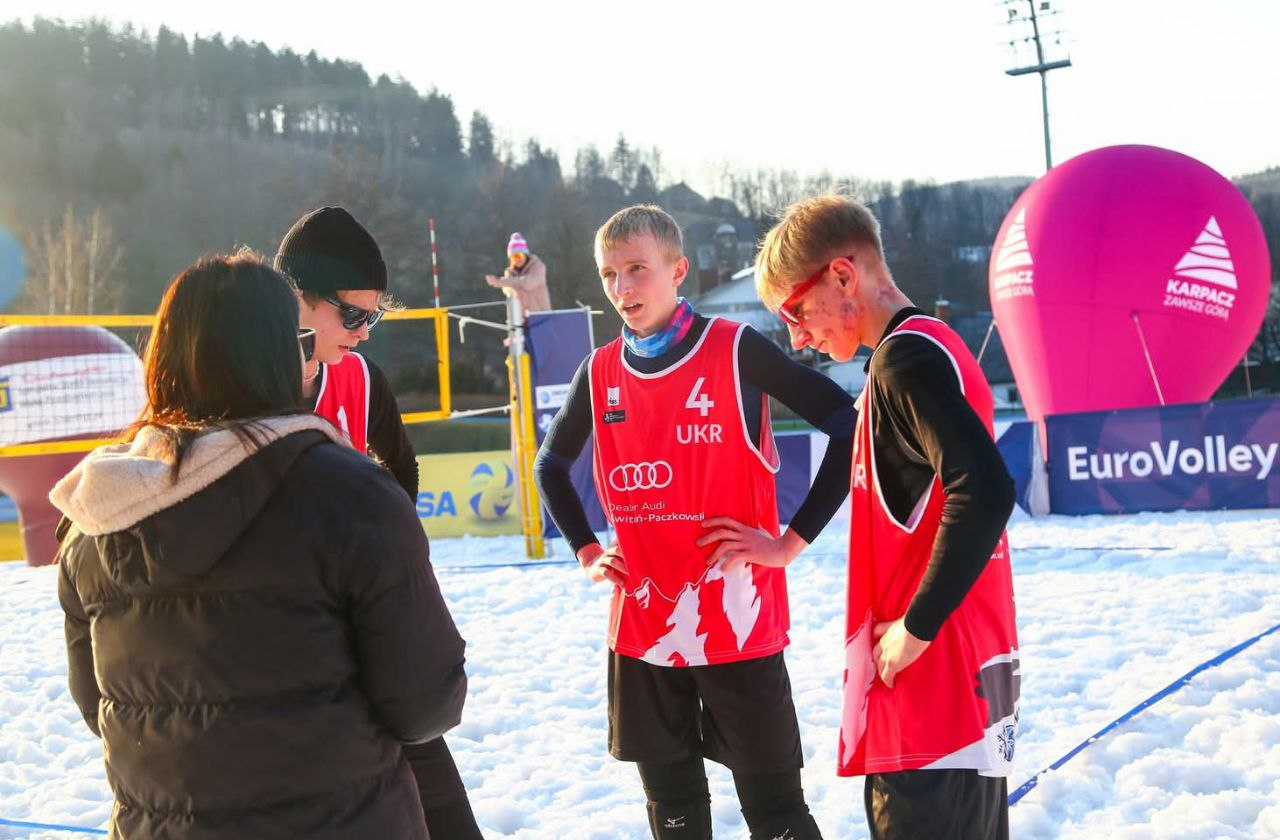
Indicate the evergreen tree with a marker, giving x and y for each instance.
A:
(480, 139)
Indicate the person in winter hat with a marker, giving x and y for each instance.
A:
(252, 657)
(526, 277)
(517, 252)
(341, 278)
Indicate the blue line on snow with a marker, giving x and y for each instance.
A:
(50, 826)
(1030, 784)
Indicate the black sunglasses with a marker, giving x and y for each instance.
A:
(307, 341)
(353, 317)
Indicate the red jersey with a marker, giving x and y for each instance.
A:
(343, 398)
(671, 449)
(957, 705)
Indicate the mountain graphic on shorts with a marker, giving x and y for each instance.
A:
(1208, 260)
(1014, 252)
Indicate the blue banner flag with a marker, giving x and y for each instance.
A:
(1199, 456)
(558, 341)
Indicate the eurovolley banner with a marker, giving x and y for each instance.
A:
(1198, 456)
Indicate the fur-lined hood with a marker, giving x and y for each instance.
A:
(117, 486)
(185, 523)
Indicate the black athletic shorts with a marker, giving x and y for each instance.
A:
(739, 714)
(938, 805)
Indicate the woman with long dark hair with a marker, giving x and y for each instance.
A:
(252, 658)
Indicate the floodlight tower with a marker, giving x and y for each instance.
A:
(1039, 17)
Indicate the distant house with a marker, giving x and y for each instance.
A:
(718, 249)
(973, 328)
(723, 207)
(681, 198)
(717, 240)
(737, 301)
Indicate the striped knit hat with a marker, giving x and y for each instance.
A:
(517, 245)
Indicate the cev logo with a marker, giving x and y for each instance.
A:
(5, 404)
(645, 475)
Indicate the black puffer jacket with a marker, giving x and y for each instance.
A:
(254, 643)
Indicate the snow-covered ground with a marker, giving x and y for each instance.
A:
(1111, 610)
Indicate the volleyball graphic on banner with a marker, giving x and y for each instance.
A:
(492, 489)
(1128, 276)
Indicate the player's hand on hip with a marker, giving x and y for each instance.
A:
(737, 542)
(603, 563)
(895, 649)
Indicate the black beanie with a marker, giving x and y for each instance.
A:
(327, 250)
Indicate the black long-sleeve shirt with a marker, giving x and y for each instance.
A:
(386, 436)
(924, 427)
(763, 369)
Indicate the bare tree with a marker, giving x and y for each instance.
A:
(79, 260)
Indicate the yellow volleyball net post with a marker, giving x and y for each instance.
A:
(439, 317)
(524, 441)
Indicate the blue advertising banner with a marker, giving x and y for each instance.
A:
(796, 473)
(1017, 444)
(1199, 456)
(558, 341)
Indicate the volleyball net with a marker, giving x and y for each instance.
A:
(70, 383)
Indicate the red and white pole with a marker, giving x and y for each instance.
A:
(435, 270)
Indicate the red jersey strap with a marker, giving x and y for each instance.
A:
(957, 705)
(343, 398)
(671, 449)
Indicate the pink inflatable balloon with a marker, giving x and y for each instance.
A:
(1116, 249)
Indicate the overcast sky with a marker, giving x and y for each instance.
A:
(884, 90)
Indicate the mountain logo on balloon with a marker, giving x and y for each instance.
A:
(1013, 268)
(1208, 261)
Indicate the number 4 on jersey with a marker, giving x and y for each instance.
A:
(702, 402)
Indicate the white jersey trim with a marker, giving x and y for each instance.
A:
(766, 427)
(622, 354)
(364, 366)
(991, 755)
(951, 358)
(324, 383)
(917, 512)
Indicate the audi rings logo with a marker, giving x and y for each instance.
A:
(643, 476)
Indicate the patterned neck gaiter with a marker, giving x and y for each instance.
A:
(664, 339)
